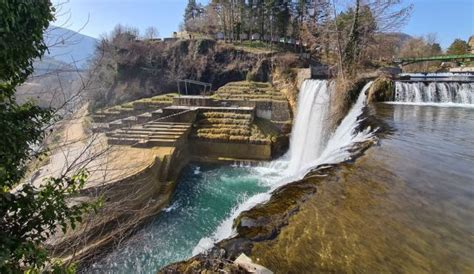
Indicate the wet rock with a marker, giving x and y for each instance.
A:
(204, 264)
(381, 90)
(265, 221)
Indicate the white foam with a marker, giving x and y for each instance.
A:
(442, 93)
(281, 171)
(431, 104)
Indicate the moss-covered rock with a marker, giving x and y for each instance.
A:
(381, 90)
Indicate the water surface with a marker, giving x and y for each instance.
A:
(407, 206)
(205, 196)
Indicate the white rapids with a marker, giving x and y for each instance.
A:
(311, 145)
(435, 93)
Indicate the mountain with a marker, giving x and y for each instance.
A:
(56, 77)
(69, 47)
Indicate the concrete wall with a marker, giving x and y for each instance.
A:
(240, 151)
(129, 202)
(194, 101)
(280, 111)
(271, 110)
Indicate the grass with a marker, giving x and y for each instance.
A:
(231, 127)
(129, 106)
(226, 121)
(224, 130)
(257, 47)
(225, 115)
(251, 91)
(163, 98)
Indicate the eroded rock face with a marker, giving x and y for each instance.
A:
(129, 202)
(141, 69)
(381, 90)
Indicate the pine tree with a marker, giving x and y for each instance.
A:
(190, 11)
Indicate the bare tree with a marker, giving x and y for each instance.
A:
(151, 33)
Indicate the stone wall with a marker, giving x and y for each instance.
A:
(209, 151)
(271, 110)
(194, 101)
(280, 111)
(129, 202)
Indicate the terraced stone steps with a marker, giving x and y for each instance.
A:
(150, 134)
(252, 91)
(223, 126)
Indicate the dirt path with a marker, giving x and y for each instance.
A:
(79, 149)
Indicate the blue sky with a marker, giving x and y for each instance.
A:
(449, 19)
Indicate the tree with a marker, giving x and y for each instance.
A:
(151, 33)
(458, 47)
(420, 47)
(190, 12)
(436, 49)
(29, 213)
(367, 18)
(282, 17)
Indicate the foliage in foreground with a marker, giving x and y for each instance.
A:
(29, 214)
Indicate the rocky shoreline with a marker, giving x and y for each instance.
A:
(264, 222)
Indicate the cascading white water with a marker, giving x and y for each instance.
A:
(338, 148)
(307, 138)
(308, 149)
(434, 92)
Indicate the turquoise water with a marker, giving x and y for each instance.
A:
(204, 198)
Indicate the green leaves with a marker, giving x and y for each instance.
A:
(29, 214)
(32, 214)
(22, 24)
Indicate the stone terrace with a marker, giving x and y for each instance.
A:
(150, 134)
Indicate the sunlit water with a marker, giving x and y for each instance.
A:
(205, 195)
(407, 206)
(209, 198)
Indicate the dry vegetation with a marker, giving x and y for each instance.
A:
(252, 91)
(227, 126)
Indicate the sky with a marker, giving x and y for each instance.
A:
(448, 19)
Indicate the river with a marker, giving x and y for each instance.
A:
(406, 206)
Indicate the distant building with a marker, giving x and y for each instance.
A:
(470, 42)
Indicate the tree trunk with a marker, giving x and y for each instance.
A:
(352, 46)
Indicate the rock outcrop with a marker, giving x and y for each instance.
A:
(137, 69)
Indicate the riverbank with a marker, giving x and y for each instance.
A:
(402, 206)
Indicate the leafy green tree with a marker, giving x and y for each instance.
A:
(29, 214)
(458, 47)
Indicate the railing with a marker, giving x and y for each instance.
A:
(406, 61)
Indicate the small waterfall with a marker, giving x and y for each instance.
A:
(307, 137)
(434, 92)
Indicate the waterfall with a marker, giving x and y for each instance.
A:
(312, 144)
(434, 92)
(307, 138)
